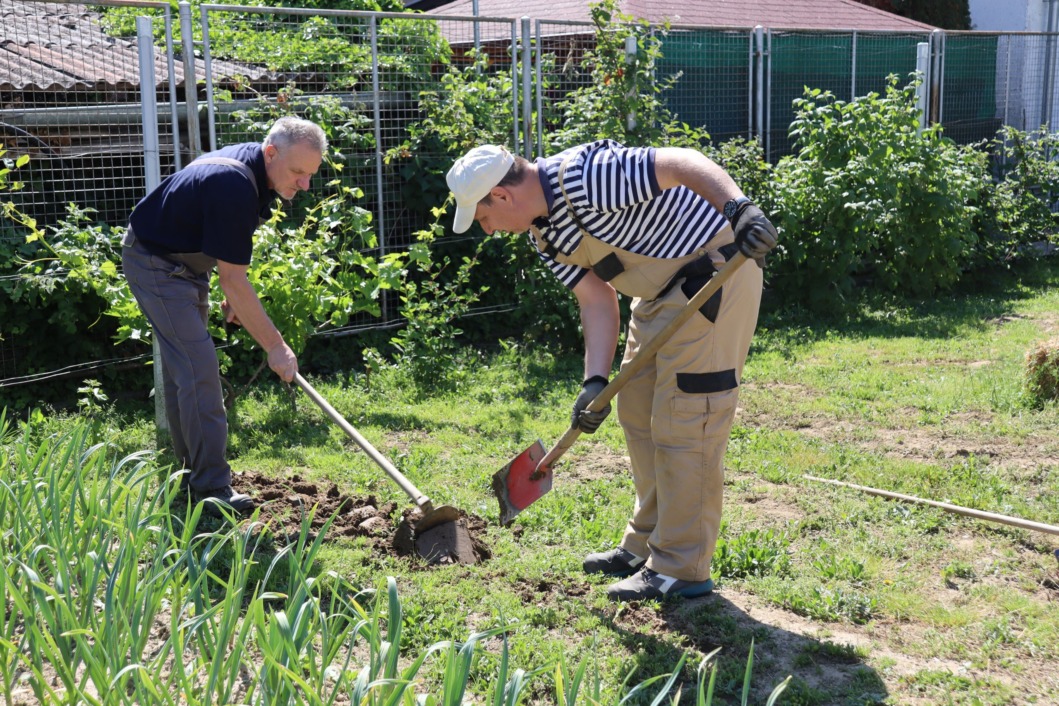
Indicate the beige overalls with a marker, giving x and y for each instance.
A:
(677, 412)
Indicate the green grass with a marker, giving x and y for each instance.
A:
(861, 599)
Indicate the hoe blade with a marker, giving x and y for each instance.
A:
(512, 484)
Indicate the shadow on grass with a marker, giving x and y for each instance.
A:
(981, 300)
(823, 672)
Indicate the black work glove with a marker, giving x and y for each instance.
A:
(584, 420)
(754, 234)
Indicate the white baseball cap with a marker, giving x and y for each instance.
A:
(472, 177)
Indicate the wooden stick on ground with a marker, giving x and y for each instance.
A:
(966, 511)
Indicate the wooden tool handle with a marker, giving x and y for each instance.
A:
(966, 511)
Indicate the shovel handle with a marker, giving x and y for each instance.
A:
(422, 501)
(646, 353)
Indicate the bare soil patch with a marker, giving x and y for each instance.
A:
(286, 501)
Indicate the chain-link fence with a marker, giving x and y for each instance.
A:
(71, 98)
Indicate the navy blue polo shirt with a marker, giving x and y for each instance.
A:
(209, 208)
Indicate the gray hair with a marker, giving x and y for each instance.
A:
(289, 131)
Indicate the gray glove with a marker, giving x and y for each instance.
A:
(754, 234)
(584, 420)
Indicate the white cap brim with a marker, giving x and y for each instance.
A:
(464, 217)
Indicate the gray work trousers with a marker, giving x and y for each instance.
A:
(176, 302)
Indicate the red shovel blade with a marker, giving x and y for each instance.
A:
(514, 488)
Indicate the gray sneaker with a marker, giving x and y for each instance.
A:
(646, 584)
(224, 497)
(616, 562)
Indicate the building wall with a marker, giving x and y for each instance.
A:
(1008, 15)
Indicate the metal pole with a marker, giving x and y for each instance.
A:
(759, 86)
(923, 71)
(514, 82)
(527, 67)
(153, 176)
(208, 65)
(766, 60)
(540, 95)
(477, 28)
(148, 103)
(1049, 51)
(1007, 81)
(853, 67)
(191, 99)
(175, 114)
(936, 40)
(750, 86)
(630, 59)
(377, 108)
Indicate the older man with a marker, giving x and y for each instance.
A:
(653, 224)
(200, 218)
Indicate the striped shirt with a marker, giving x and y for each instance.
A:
(616, 196)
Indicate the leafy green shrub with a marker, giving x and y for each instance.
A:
(429, 344)
(744, 160)
(623, 98)
(1042, 373)
(1017, 212)
(52, 298)
(869, 196)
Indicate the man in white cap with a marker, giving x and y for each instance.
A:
(653, 224)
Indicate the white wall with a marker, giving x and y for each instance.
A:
(1008, 15)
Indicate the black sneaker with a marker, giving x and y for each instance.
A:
(616, 562)
(226, 497)
(647, 584)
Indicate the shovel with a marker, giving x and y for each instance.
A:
(441, 536)
(528, 476)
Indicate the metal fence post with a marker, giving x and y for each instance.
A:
(750, 84)
(207, 64)
(923, 71)
(514, 85)
(759, 85)
(527, 66)
(191, 98)
(377, 107)
(766, 60)
(937, 41)
(630, 59)
(173, 103)
(853, 67)
(540, 95)
(1049, 66)
(153, 175)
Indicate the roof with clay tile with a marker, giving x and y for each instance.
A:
(774, 14)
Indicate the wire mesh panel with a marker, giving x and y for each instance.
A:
(368, 78)
(562, 48)
(878, 55)
(998, 79)
(70, 100)
(969, 92)
(713, 90)
(800, 60)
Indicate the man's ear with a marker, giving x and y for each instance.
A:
(501, 193)
(270, 152)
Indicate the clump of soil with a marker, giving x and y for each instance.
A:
(285, 501)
